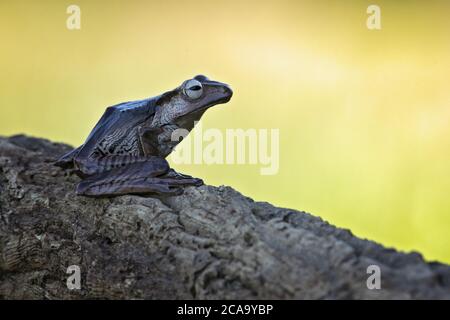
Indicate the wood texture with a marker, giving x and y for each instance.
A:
(209, 243)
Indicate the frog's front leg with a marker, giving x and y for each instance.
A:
(150, 176)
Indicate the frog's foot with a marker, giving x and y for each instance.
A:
(137, 178)
(183, 178)
(136, 186)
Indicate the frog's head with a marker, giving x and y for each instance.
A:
(187, 103)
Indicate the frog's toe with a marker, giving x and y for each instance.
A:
(181, 179)
(198, 182)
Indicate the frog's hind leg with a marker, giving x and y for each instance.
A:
(137, 178)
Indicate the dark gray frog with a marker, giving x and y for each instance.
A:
(125, 152)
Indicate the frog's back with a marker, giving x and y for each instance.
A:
(115, 132)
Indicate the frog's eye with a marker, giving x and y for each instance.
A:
(193, 89)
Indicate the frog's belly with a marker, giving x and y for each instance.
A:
(120, 143)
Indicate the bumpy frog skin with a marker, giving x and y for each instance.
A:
(125, 152)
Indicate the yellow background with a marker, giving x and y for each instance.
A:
(363, 115)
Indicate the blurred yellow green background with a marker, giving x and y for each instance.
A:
(363, 114)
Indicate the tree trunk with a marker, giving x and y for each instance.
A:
(209, 243)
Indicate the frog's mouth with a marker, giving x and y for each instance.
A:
(188, 120)
(199, 111)
(222, 100)
(222, 95)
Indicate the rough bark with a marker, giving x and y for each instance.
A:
(209, 243)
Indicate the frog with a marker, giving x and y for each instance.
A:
(126, 151)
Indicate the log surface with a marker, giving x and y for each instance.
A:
(209, 243)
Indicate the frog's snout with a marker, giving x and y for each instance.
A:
(228, 92)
